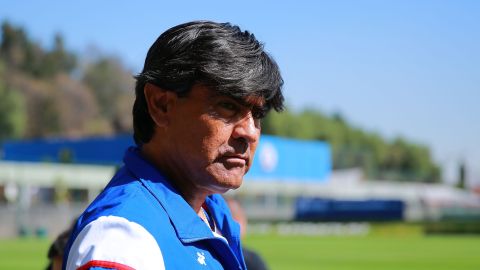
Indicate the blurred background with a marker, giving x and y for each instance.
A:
(375, 163)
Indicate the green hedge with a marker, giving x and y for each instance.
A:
(452, 227)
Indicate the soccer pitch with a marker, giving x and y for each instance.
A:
(313, 252)
(368, 252)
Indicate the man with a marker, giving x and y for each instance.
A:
(199, 100)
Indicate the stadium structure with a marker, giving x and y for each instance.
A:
(45, 184)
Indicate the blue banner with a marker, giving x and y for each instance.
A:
(291, 160)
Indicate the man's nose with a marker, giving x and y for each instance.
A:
(247, 128)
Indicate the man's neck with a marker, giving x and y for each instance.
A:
(195, 200)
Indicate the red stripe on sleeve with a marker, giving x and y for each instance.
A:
(105, 264)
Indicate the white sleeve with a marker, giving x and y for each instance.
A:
(115, 241)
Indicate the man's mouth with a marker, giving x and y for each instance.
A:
(235, 160)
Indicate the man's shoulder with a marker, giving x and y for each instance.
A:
(124, 212)
(114, 240)
(125, 196)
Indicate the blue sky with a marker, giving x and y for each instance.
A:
(409, 68)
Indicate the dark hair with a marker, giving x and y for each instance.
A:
(57, 248)
(218, 55)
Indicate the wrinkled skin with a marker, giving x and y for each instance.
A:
(204, 142)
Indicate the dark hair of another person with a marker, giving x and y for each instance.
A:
(218, 55)
(57, 248)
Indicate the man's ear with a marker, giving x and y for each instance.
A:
(159, 102)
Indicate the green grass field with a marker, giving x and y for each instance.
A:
(369, 253)
(23, 254)
(412, 252)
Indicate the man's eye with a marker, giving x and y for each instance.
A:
(259, 114)
(229, 106)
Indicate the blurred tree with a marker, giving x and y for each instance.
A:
(12, 111)
(78, 107)
(58, 60)
(353, 147)
(19, 52)
(55, 103)
(13, 45)
(112, 87)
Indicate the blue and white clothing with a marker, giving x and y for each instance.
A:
(140, 221)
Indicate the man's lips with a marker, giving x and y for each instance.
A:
(235, 160)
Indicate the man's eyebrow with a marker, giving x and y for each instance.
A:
(252, 105)
(241, 101)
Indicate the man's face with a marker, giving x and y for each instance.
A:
(212, 138)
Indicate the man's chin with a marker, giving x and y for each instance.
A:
(228, 185)
(224, 185)
(225, 179)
